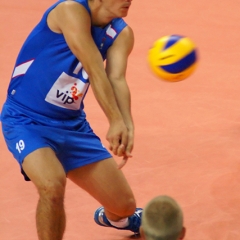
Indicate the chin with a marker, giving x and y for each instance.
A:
(123, 12)
(122, 15)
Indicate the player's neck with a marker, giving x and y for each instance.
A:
(100, 17)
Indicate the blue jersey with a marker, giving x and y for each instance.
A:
(47, 78)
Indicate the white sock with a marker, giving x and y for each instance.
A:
(121, 223)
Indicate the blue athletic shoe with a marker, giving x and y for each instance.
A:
(134, 220)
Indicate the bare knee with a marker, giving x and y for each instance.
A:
(126, 207)
(52, 191)
(130, 207)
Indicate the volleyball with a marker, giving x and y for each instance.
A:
(173, 58)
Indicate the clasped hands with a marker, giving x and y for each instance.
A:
(120, 141)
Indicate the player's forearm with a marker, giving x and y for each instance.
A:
(123, 98)
(100, 84)
(104, 94)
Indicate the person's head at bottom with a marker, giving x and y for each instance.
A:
(162, 219)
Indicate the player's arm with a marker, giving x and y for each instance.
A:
(73, 21)
(116, 66)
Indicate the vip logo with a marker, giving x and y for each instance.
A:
(67, 92)
(69, 97)
(64, 97)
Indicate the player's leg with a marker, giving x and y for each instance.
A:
(47, 174)
(107, 184)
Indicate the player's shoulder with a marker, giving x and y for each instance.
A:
(73, 4)
(126, 34)
(125, 40)
(122, 27)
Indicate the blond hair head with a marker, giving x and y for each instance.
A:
(162, 219)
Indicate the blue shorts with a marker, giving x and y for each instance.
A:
(73, 141)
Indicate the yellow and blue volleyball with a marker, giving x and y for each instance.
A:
(173, 58)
